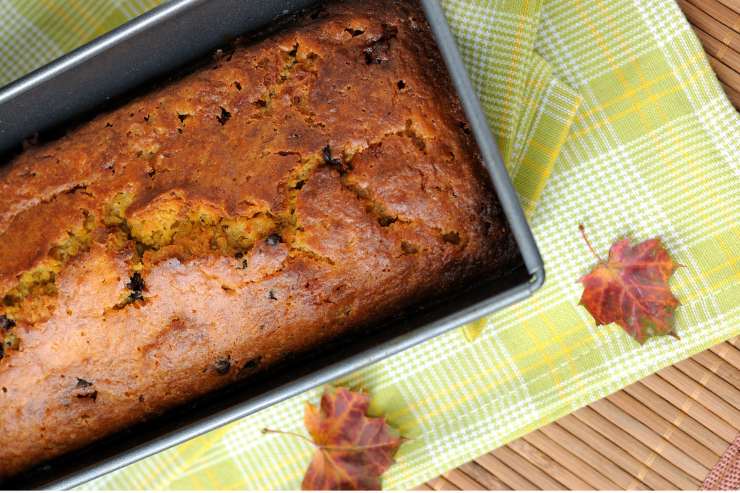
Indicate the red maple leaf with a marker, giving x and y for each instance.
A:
(631, 288)
(353, 449)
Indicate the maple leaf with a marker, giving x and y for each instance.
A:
(631, 288)
(353, 449)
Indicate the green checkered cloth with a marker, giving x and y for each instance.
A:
(616, 98)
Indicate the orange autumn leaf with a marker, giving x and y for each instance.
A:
(353, 450)
(631, 288)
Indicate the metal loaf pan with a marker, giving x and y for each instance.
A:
(156, 44)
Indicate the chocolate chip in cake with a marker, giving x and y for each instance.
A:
(136, 285)
(354, 32)
(85, 389)
(223, 365)
(271, 295)
(369, 58)
(252, 363)
(464, 127)
(250, 366)
(224, 116)
(135, 296)
(6, 323)
(240, 256)
(82, 383)
(330, 160)
(452, 237)
(136, 282)
(273, 239)
(386, 221)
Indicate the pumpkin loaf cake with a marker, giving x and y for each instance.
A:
(297, 186)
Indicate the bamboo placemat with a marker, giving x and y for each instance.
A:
(664, 432)
(717, 24)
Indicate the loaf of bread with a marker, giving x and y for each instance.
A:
(299, 186)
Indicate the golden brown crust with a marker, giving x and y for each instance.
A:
(292, 189)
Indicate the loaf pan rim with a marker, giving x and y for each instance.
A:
(494, 165)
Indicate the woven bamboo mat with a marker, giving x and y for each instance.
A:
(664, 432)
(717, 24)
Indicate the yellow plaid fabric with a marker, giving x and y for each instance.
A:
(615, 102)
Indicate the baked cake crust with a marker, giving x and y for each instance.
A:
(296, 187)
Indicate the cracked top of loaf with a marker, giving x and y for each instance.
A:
(297, 186)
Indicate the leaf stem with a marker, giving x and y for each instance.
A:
(582, 229)
(280, 432)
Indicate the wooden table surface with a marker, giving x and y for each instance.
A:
(664, 432)
(717, 24)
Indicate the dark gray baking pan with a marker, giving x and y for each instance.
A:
(156, 44)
